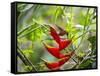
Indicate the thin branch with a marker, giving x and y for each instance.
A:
(25, 58)
(19, 33)
(30, 31)
(80, 35)
(84, 29)
(85, 58)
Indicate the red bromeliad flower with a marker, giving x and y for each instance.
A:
(55, 51)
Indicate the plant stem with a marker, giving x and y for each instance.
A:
(30, 31)
(81, 35)
(25, 59)
(83, 30)
(19, 33)
(85, 58)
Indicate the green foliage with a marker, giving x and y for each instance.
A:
(28, 52)
(81, 54)
(86, 64)
(28, 68)
(92, 41)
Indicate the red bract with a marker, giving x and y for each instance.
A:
(66, 58)
(63, 44)
(56, 65)
(52, 66)
(52, 50)
(55, 51)
(54, 34)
